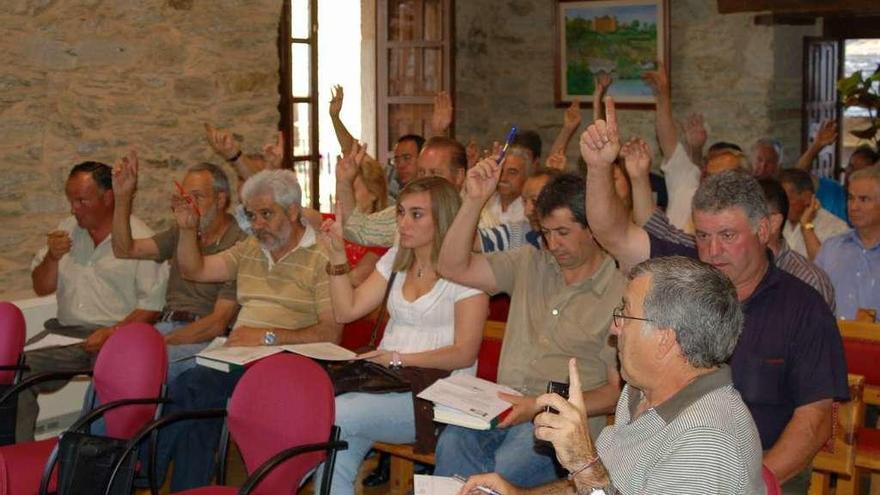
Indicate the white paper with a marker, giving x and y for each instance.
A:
(435, 485)
(325, 351)
(239, 355)
(52, 340)
(470, 395)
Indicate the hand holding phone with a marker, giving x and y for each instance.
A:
(556, 388)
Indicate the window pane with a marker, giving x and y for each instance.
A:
(299, 18)
(299, 63)
(301, 131)
(304, 176)
(408, 119)
(402, 20)
(414, 71)
(433, 22)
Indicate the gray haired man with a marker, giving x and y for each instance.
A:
(680, 425)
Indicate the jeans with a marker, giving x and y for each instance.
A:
(364, 419)
(511, 452)
(181, 357)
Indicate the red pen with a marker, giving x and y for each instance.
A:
(187, 197)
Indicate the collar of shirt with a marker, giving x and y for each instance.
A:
(597, 282)
(853, 237)
(308, 239)
(700, 386)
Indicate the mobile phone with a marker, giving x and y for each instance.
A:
(556, 388)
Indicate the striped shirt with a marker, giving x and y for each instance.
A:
(508, 236)
(786, 260)
(289, 293)
(701, 440)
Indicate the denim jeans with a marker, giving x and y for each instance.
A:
(181, 357)
(511, 452)
(364, 419)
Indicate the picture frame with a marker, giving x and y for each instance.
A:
(623, 37)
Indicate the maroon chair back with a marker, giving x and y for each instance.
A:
(12, 335)
(132, 364)
(770, 481)
(283, 401)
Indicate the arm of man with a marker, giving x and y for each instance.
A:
(206, 328)
(125, 176)
(570, 122)
(441, 115)
(192, 263)
(667, 135)
(606, 214)
(326, 330)
(342, 135)
(97, 338)
(803, 436)
(826, 135)
(637, 161)
(457, 262)
(495, 482)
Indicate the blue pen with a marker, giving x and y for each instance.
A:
(507, 142)
(484, 489)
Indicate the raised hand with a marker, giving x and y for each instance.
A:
(273, 153)
(567, 430)
(347, 166)
(810, 211)
(472, 150)
(222, 142)
(657, 80)
(482, 179)
(185, 212)
(556, 160)
(125, 175)
(58, 243)
(827, 133)
(695, 131)
(600, 143)
(572, 117)
(602, 81)
(330, 239)
(441, 118)
(636, 155)
(336, 96)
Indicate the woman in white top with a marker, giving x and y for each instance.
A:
(433, 323)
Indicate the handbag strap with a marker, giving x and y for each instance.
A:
(382, 310)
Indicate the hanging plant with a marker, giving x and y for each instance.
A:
(864, 92)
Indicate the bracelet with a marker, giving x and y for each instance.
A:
(592, 462)
(235, 157)
(340, 269)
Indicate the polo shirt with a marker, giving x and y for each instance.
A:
(789, 353)
(197, 298)
(95, 288)
(289, 293)
(701, 440)
(825, 226)
(855, 272)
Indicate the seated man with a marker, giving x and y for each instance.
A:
(96, 291)
(283, 290)
(506, 205)
(808, 224)
(852, 260)
(561, 303)
(680, 426)
(788, 364)
(194, 312)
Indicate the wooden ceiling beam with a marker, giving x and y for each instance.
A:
(815, 7)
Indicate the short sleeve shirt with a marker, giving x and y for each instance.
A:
(196, 297)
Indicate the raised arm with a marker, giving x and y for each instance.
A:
(125, 176)
(346, 171)
(441, 117)
(570, 122)
(606, 214)
(456, 261)
(193, 265)
(827, 134)
(637, 161)
(666, 133)
(602, 81)
(696, 135)
(342, 135)
(44, 276)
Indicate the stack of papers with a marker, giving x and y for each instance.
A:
(222, 358)
(468, 401)
(52, 340)
(435, 485)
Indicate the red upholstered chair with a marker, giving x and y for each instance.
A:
(128, 377)
(12, 336)
(281, 417)
(771, 482)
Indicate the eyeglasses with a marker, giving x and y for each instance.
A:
(398, 158)
(618, 316)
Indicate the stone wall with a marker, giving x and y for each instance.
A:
(89, 79)
(744, 78)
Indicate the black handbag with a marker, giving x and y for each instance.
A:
(85, 463)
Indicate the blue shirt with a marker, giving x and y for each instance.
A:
(832, 195)
(790, 352)
(854, 271)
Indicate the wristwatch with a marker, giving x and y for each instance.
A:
(395, 363)
(270, 338)
(808, 226)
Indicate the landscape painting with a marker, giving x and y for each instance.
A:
(623, 38)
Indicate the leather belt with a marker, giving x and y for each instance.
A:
(169, 315)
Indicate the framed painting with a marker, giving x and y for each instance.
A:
(623, 38)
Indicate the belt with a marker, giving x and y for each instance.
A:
(169, 315)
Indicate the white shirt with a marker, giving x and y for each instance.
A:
(425, 324)
(97, 288)
(515, 210)
(682, 180)
(826, 225)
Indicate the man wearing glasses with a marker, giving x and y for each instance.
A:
(788, 364)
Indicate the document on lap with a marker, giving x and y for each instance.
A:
(435, 485)
(53, 340)
(223, 358)
(323, 351)
(468, 401)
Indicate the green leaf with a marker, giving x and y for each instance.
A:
(847, 84)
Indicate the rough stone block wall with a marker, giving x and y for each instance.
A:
(89, 79)
(744, 78)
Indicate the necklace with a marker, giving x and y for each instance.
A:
(419, 272)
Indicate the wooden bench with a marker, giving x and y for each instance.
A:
(402, 455)
(838, 456)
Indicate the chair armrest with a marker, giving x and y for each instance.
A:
(273, 462)
(158, 424)
(14, 367)
(39, 378)
(99, 411)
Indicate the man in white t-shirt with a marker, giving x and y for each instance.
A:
(808, 224)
